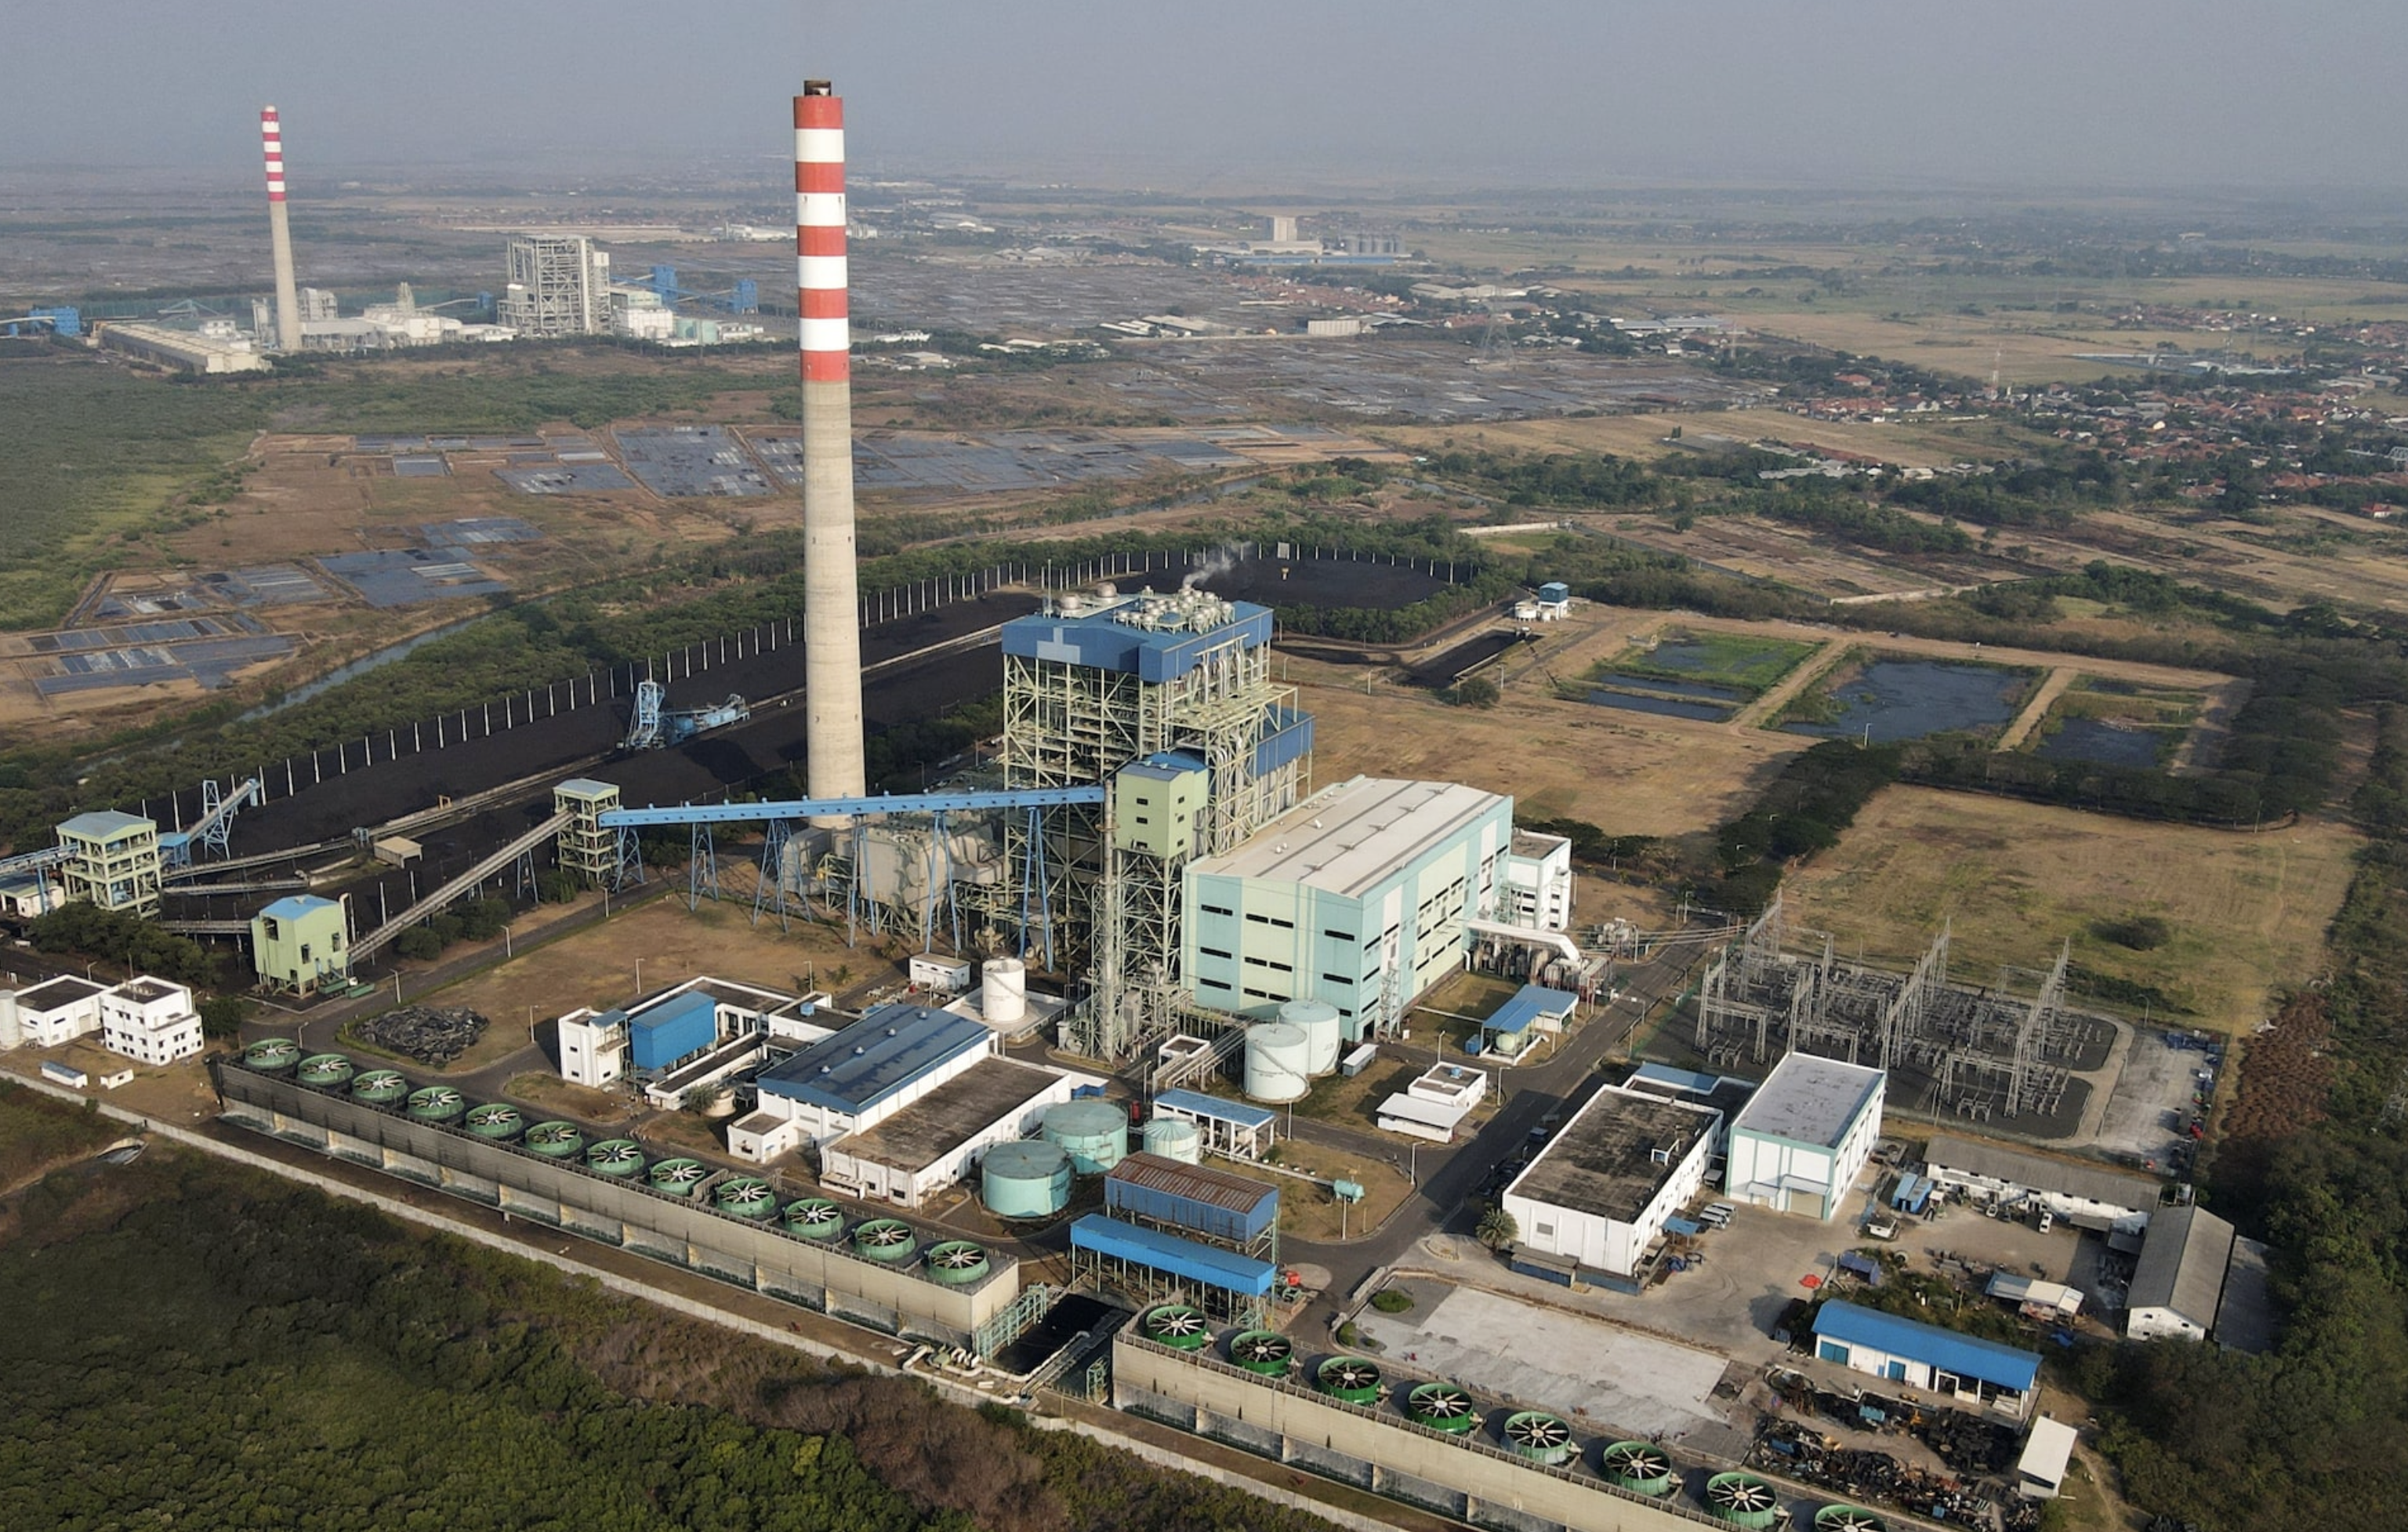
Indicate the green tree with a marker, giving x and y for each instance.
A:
(1497, 1229)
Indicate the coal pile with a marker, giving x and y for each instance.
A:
(433, 1035)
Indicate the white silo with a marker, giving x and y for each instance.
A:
(12, 1031)
(1318, 1020)
(1275, 1062)
(1003, 996)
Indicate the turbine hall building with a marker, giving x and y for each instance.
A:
(1358, 896)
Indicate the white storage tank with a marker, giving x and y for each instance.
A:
(1003, 998)
(12, 1030)
(1175, 1138)
(1318, 1020)
(1276, 1056)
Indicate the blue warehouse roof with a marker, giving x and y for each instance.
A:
(1150, 654)
(1197, 1104)
(674, 1009)
(1223, 1268)
(1962, 1354)
(1529, 1003)
(885, 1051)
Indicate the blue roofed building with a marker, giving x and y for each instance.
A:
(1150, 1265)
(659, 1036)
(857, 1077)
(301, 943)
(1981, 1374)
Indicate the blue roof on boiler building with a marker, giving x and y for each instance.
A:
(1852, 1324)
(1103, 640)
(888, 1049)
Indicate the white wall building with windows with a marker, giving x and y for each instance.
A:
(1358, 896)
(150, 1020)
(1803, 1138)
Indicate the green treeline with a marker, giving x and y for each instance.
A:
(197, 1345)
(2227, 1442)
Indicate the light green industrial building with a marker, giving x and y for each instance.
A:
(112, 861)
(301, 943)
(1356, 897)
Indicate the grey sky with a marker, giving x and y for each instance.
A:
(2058, 95)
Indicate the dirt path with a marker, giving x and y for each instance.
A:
(2044, 697)
(1768, 706)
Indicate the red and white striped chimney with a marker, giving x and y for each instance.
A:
(833, 766)
(279, 234)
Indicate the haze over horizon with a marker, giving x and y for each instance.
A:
(2049, 96)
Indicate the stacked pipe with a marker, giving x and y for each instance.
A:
(833, 766)
(279, 234)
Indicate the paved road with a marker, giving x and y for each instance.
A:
(1450, 1175)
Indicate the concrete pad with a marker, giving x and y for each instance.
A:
(1632, 1383)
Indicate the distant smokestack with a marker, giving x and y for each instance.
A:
(833, 767)
(280, 235)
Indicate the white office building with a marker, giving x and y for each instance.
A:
(1803, 1138)
(150, 1020)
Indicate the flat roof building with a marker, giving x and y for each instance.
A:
(56, 1011)
(932, 1143)
(150, 1020)
(1803, 1138)
(1598, 1194)
(1358, 896)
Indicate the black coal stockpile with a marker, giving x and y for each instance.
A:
(433, 1035)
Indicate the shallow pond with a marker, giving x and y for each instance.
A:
(2103, 743)
(1906, 699)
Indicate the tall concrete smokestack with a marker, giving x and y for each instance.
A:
(280, 235)
(833, 766)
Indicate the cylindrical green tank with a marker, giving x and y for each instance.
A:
(1027, 1179)
(889, 1241)
(1094, 1134)
(496, 1120)
(324, 1072)
(1848, 1519)
(1265, 1351)
(957, 1263)
(1178, 1327)
(678, 1177)
(1742, 1501)
(746, 1197)
(380, 1088)
(272, 1056)
(437, 1104)
(814, 1218)
(556, 1140)
(618, 1158)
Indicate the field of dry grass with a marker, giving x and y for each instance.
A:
(596, 967)
(2246, 912)
(1623, 772)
